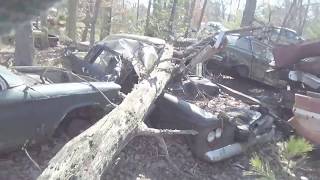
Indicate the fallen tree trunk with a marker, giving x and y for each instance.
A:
(88, 155)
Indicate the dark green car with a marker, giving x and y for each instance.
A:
(247, 57)
(35, 101)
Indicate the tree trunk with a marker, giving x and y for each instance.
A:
(24, 50)
(86, 22)
(230, 11)
(187, 9)
(202, 14)
(285, 20)
(147, 29)
(71, 25)
(238, 6)
(106, 21)
(93, 22)
(172, 17)
(223, 10)
(138, 9)
(88, 155)
(248, 13)
(44, 41)
(190, 16)
(301, 26)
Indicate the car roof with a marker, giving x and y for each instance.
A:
(253, 39)
(286, 29)
(145, 39)
(11, 78)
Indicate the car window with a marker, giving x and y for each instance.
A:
(243, 43)
(283, 32)
(291, 35)
(232, 39)
(262, 52)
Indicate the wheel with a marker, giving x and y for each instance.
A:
(75, 126)
(242, 71)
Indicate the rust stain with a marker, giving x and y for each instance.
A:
(306, 120)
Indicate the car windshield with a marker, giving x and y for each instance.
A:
(2, 84)
(11, 79)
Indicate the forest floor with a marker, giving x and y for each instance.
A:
(143, 159)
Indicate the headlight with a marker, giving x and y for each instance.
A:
(218, 132)
(214, 134)
(211, 136)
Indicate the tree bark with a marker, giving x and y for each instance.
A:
(44, 29)
(94, 21)
(202, 14)
(24, 47)
(106, 22)
(172, 17)
(71, 26)
(88, 155)
(189, 18)
(248, 13)
(147, 28)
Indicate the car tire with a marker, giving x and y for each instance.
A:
(242, 71)
(76, 126)
(198, 143)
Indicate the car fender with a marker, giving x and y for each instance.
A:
(72, 108)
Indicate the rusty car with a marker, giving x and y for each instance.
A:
(37, 101)
(306, 119)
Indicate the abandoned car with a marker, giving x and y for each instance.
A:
(248, 57)
(220, 137)
(35, 101)
(120, 58)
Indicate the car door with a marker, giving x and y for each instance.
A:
(262, 55)
(17, 112)
(241, 55)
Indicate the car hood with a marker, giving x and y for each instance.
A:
(63, 89)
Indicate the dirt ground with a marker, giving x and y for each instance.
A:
(143, 159)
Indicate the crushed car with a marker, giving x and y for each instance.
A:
(118, 58)
(36, 102)
(220, 136)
